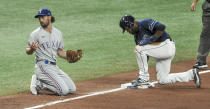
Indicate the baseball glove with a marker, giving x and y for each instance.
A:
(73, 56)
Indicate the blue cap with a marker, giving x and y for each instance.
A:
(43, 12)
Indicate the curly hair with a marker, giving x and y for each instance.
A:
(53, 19)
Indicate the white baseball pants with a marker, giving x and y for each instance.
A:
(54, 79)
(163, 55)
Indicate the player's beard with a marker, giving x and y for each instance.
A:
(134, 30)
(44, 25)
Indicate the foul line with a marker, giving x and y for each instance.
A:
(75, 98)
(88, 95)
(205, 71)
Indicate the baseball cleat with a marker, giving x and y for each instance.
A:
(197, 79)
(200, 66)
(139, 82)
(33, 85)
(33, 90)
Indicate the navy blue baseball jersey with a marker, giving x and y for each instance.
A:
(147, 28)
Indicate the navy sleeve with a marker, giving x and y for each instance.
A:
(149, 24)
(159, 27)
(153, 25)
(148, 28)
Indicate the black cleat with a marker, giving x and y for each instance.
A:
(197, 79)
(200, 65)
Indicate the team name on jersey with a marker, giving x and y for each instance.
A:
(52, 44)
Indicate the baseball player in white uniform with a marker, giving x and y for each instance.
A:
(153, 41)
(46, 42)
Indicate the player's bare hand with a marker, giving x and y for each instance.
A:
(136, 48)
(193, 6)
(33, 45)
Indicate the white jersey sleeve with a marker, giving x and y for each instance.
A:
(61, 45)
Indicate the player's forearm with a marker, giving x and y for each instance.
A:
(151, 39)
(29, 51)
(158, 34)
(62, 54)
(195, 1)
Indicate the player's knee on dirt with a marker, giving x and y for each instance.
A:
(63, 92)
(164, 80)
(72, 91)
(66, 91)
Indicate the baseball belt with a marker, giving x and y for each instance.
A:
(48, 62)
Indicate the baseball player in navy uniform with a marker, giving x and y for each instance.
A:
(153, 41)
(46, 42)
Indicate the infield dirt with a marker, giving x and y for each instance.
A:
(175, 96)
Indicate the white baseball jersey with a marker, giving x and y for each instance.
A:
(48, 43)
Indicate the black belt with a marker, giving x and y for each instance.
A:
(171, 40)
(48, 62)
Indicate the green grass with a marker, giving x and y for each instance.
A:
(92, 25)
